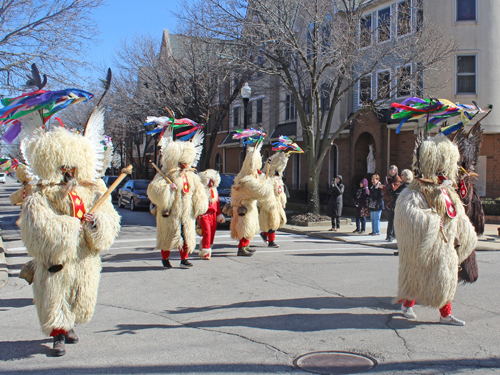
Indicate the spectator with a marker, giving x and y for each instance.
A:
(335, 202)
(361, 203)
(392, 183)
(376, 204)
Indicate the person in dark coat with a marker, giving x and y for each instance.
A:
(392, 182)
(376, 204)
(361, 202)
(335, 202)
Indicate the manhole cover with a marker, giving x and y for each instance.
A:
(335, 363)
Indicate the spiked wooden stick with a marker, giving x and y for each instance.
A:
(160, 172)
(125, 172)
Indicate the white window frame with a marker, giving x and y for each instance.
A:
(464, 74)
(390, 83)
(239, 116)
(390, 24)
(371, 30)
(396, 86)
(359, 88)
(456, 12)
(397, 18)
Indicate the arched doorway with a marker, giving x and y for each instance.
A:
(361, 150)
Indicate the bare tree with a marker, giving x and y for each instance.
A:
(321, 50)
(53, 34)
(189, 75)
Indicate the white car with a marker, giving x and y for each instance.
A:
(3, 178)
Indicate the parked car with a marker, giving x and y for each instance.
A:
(134, 194)
(3, 178)
(108, 180)
(224, 190)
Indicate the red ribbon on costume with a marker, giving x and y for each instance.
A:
(463, 189)
(212, 193)
(185, 185)
(77, 205)
(279, 189)
(450, 208)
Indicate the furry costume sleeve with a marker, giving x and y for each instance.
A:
(160, 194)
(200, 198)
(49, 237)
(102, 232)
(255, 188)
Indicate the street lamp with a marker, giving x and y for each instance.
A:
(246, 91)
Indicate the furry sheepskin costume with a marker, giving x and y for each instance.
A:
(178, 207)
(208, 221)
(65, 248)
(18, 197)
(272, 209)
(246, 190)
(427, 264)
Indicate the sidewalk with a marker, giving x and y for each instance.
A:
(489, 241)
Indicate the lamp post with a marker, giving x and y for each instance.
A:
(246, 91)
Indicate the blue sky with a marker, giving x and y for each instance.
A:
(122, 19)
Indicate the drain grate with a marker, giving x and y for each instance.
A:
(335, 362)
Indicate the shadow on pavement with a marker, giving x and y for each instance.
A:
(313, 303)
(447, 366)
(15, 303)
(12, 350)
(389, 252)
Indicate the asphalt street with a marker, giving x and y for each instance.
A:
(247, 315)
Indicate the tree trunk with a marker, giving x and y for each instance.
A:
(312, 190)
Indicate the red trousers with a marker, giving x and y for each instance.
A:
(271, 236)
(165, 254)
(244, 242)
(445, 310)
(57, 331)
(208, 224)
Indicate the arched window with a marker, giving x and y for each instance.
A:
(218, 163)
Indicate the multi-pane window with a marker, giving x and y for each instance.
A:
(384, 24)
(384, 85)
(404, 17)
(258, 114)
(466, 74)
(365, 89)
(365, 29)
(420, 15)
(236, 117)
(466, 10)
(290, 109)
(404, 81)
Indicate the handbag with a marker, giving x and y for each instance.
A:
(365, 212)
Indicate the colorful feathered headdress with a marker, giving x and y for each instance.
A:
(250, 136)
(33, 109)
(8, 164)
(436, 110)
(285, 143)
(171, 122)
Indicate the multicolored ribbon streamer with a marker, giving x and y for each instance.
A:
(9, 164)
(46, 102)
(164, 122)
(249, 136)
(437, 110)
(284, 143)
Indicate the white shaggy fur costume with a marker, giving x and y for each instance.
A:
(427, 264)
(208, 221)
(272, 209)
(246, 190)
(55, 238)
(177, 208)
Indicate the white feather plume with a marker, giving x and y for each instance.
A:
(167, 137)
(198, 145)
(158, 120)
(94, 131)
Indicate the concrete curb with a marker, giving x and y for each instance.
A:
(4, 273)
(390, 245)
(482, 245)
